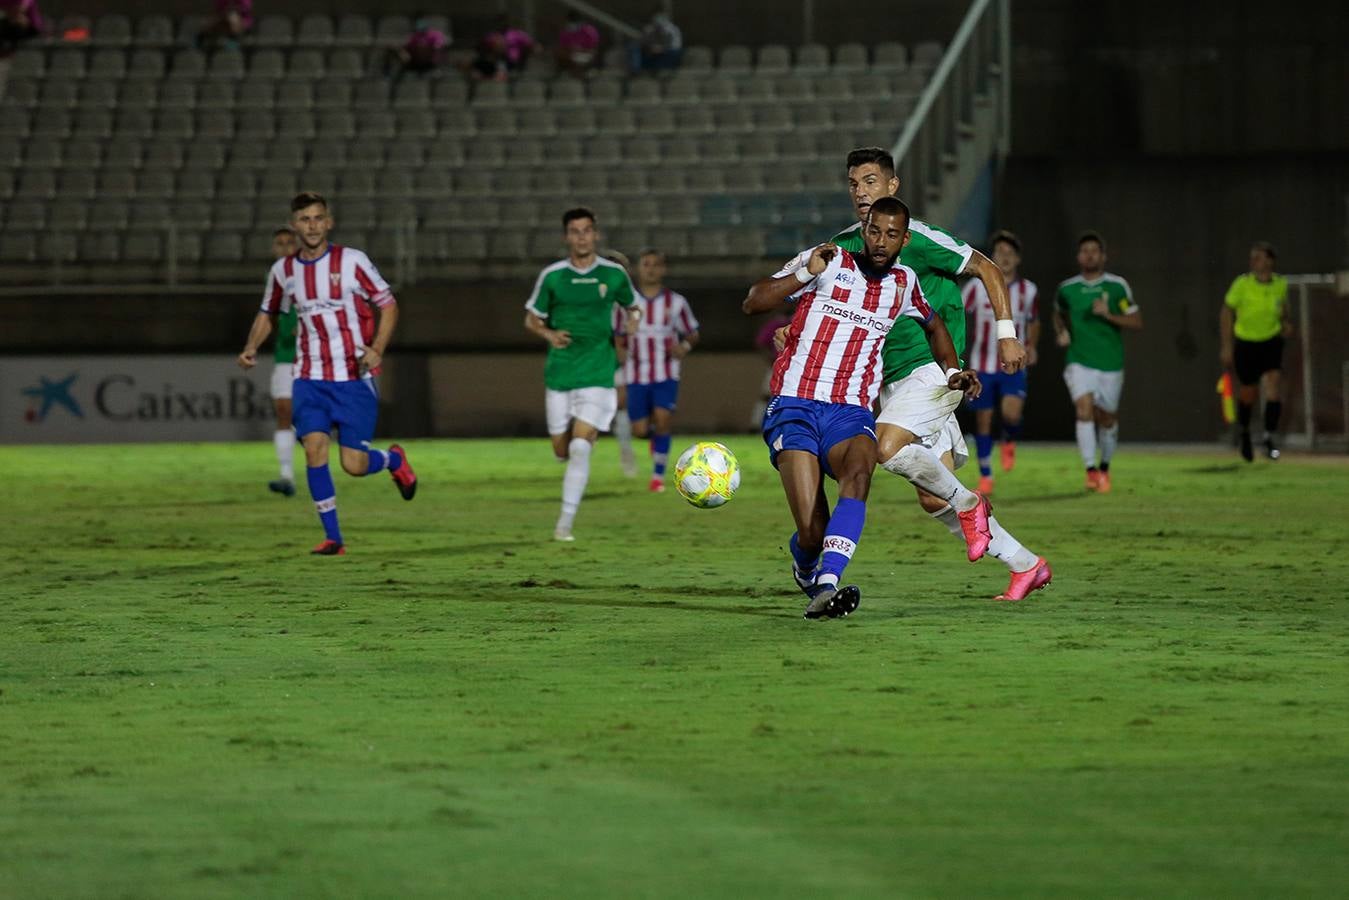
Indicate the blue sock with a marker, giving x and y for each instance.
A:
(325, 500)
(805, 562)
(983, 448)
(1011, 432)
(841, 536)
(660, 453)
(384, 459)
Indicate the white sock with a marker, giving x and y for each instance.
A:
(623, 431)
(1109, 441)
(924, 469)
(948, 517)
(283, 439)
(574, 481)
(1086, 443)
(1008, 549)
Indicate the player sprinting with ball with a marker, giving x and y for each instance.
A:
(333, 387)
(825, 381)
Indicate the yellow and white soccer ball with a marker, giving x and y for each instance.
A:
(707, 474)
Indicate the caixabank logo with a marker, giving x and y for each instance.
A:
(50, 394)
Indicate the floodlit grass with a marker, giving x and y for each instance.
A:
(191, 706)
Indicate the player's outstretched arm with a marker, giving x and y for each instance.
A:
(262, 327)
(1011, 353)
(767, 294)
(944, 352)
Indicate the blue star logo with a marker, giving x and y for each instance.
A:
(50, 393)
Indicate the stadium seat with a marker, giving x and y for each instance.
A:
(204, 154)
(891, 56)
(107, 64)
(336, 124)
(773, 59)
(58, 247)
(273, 31)
(67, 215)
(682, 91)
(295, 123)
(734, 59)
(256, 94)
(18, 247)
(23, 91)
(52, 123)
(396, 183)
(681, 211)
(163, 152)
(710, 243)
(474, 183)
(187, 63)
(306, 64)
(760, 210)
(370, 95)
(448, 93)
(530, 95)
(99, 246)
(133, 123)
(356, 183)
(926, 55)
(315, 31)
(294, 96)
(28, 62)
(434, 183)
(705, 180)
(697, 60)
(392, 29)
(149, 63)
(58, 93)
(36, 184)
(495, 122)
(353, 31)
(189, 27)
(432, 246)
(719, 210)
(242, 183)
(491, 93)
(655, 120)
(606, 92)
(255, 126)
(43, 153)
(103, 95)
(150, 216)
(108, 215)
(226, 63)
(811, 59)
(153, 31)
(412, 93)
(233, 215)
(192, 184)
(82, 153)
(774, 118)
(93, 124)
(510, 244)
(346, 63)
(143, 247)
(227, 247)
(467, 246)
(414, 123)
(77, 184)
(174, 123)
(175, 94)
(333, 93)
(66, 63)
(643, 92)
(25, 214)
(369, 154)
(407, 153)
(567, 92)
(188, 245)
(267, 64)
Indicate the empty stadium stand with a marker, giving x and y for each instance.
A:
(137, 157)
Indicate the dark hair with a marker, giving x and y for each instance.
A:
(572, 215)
(863, 155)
(890, 206)
(307, 198)
(1267, 248)
(1093, 237)
(1003, 236)
(651, 251)
(283, 230)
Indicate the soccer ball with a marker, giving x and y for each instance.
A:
(707, 474)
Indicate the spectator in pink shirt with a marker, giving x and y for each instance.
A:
(423, 51)
(231, 20)
(517, 45)
(578, 46)
(19, 21)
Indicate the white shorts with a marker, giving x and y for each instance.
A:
(922, 404)
(283, 374)
(594, 406)
(1105, 387)
(619, 380)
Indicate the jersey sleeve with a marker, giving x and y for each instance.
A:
(796, 262)
(938, 250)
(540, 301)
(1125, 304)
(685, 322)
(372, 283)
(623, 292)
(915, 304)
(617, 319)
(1233, 298)
(1033, 310)
(1060, 300)
(274, 299)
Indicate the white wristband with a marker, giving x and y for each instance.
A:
(1006, 330)
(803, 275)
(950, 372)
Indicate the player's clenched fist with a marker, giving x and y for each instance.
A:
(966, 380)
(248, 359)
(559, 339)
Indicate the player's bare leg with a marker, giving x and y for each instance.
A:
(561, 445)
(983, 442)
(583, 437)
(1011, 410)
(284, 442)
(662, 422)
(1085, 408)
(1107, 428)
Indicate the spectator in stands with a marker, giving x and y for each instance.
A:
(20, 20)
(230, 22)
(489, 58)
(518, 45)
(578, 46)
(661, 46)
(422, 52)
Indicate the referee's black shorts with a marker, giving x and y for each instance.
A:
(1254, 358)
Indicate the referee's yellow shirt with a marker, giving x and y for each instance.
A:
(1258, 306)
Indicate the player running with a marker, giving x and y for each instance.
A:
(825, 381)
(917, 405)
(1089, 311)
(283, 373)
(1007, 387)
(667, 334)
(570, 308)
(333, 387)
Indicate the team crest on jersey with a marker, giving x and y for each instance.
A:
(604, 289)
(335, 278)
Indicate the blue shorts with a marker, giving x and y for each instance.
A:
(349, 406)
(998, 385)
(791, 423)
(642, 398)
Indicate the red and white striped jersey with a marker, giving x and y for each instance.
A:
(666, 320)
(983, 327)
(834, 342)
(328, 294)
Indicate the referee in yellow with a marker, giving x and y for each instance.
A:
(1254, 322)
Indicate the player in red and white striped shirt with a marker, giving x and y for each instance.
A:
(1009, 387)
(651, 370)
(333, 387)
(819, 420)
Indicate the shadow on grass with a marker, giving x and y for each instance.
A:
(1223, 469)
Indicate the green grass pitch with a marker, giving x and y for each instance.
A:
(191, 706)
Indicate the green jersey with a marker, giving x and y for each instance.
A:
(581, 302)
(285, 336)
(937, 258)
(1096, 343)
